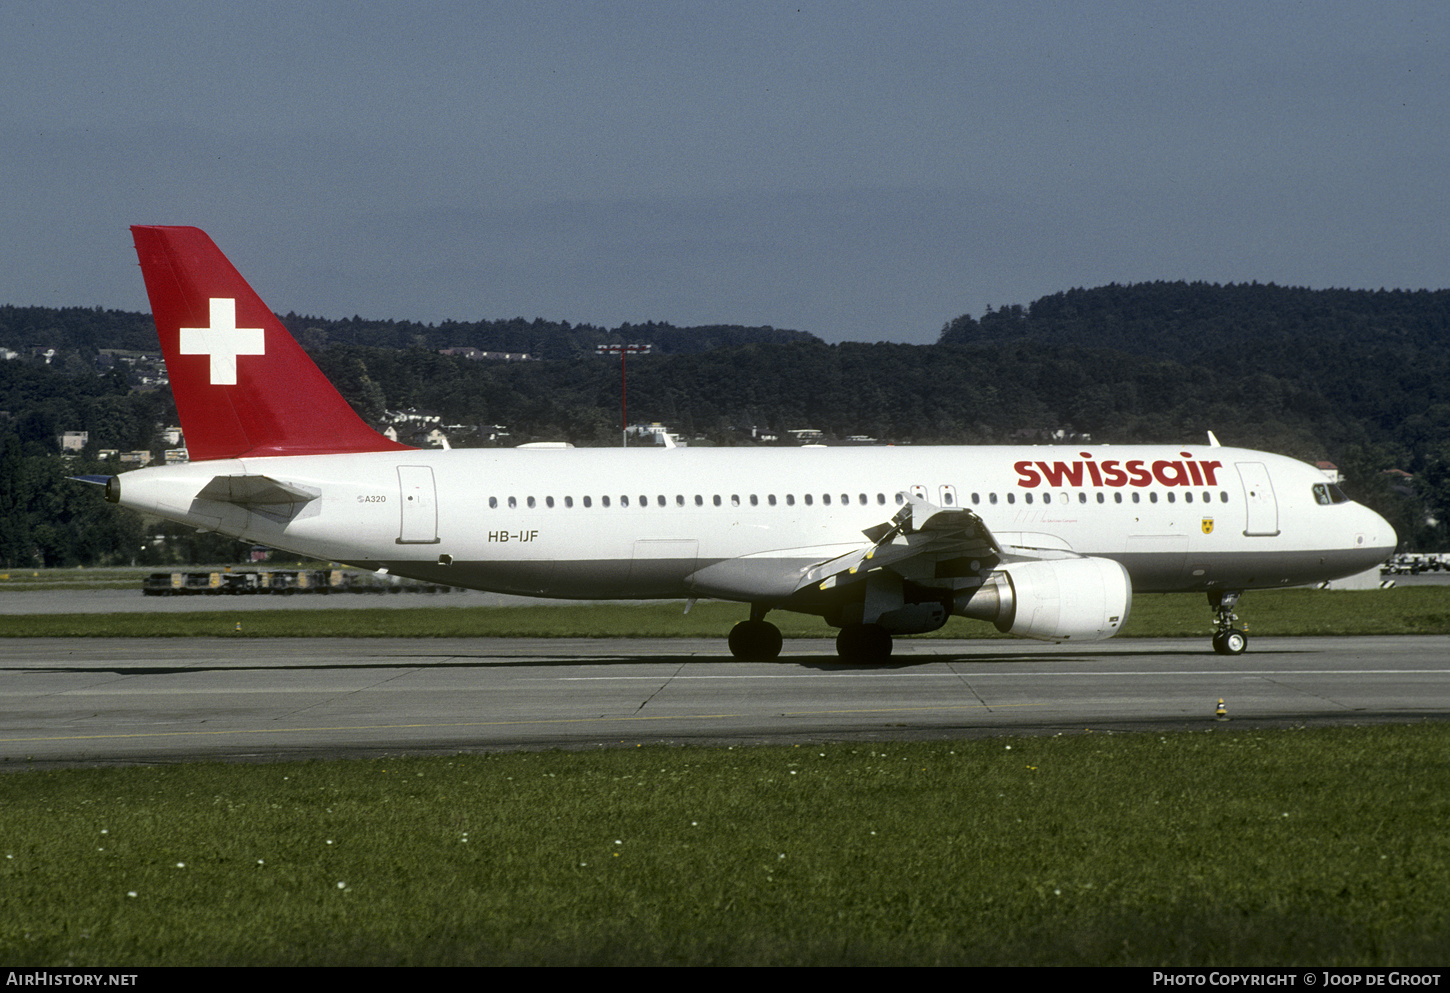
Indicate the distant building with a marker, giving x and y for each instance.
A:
(657, 434)
(74, 441)
(479, 355)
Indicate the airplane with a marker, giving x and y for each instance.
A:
(1046, 542)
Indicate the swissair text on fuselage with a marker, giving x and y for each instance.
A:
(1112, 472)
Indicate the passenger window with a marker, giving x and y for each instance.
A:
(790, 499)
(699, 500)
(604, 501)
(549, 502)
(808, 499)
(493, 503)
(754, 500)
(992, 497)
(588, 502)
(716, 498)
(513, 503)
(735, 499)
(771, 499)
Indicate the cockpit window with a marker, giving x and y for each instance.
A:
(1327, 493)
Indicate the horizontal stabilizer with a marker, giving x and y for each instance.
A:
(247, 491)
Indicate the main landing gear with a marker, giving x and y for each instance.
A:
(758, 640)
(755, 640)
(863, 643)
(1227, 639)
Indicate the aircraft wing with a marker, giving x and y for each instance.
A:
(922, 542)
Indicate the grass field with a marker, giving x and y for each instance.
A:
(1199, 848)
(1402, 610)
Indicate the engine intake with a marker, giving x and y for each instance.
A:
(1083, 599)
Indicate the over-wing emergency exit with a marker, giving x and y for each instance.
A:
(1042, 541)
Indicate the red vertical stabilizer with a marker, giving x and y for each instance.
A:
(243, 386)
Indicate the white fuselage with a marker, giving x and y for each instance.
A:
(620, 524)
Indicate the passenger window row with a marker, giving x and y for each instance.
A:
(660, 500)
(826, 499)
(1082, 497)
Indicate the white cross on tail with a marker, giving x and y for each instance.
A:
(223, 341)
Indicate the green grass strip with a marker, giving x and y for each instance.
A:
(1403, 610)
(1220, 847)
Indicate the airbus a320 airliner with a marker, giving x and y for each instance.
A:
(1047, 542)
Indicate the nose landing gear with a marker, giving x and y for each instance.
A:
(1227, 639)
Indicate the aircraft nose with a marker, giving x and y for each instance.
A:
(1373, 536)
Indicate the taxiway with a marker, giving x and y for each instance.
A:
(94, 702)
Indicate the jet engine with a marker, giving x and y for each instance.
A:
(1084, 599)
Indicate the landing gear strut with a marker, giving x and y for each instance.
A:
(755, 640)
(1227, 639)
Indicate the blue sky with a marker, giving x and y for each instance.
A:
(859, 171)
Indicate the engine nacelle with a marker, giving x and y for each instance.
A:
(1083, 599)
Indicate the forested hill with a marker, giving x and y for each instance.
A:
(538, 337)
(91, 329)
(1197, 322)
